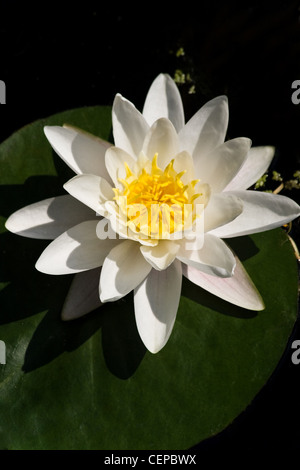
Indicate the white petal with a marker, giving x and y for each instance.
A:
(220, 210)
(238, 289)
(115, 160)
(129, 126)
(161, 255)
(207, 129)
(222, 164)
(83, 295)
(83, 152)
(49, 218)
(117, 219)
(214, 258)
(262, 211)
(91, 190)
(184, 162)
(164, 100)
(123, 269)
(256, 164)
(118, 224)
(156, 302)
(77, 249)
(163, 140)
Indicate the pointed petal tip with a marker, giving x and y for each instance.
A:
(39, 267)
(9, 224)
(155, 346)
(247, 141)
(17, 225)
(257, 304)
(45, 268)
(46, 128)
(70, 181)
(119, 98)
(67, 315)
(156, 349)
(49, 131)
(165, 77)
(260, 305)
(220, 98)
(270, 148)
(106, 298)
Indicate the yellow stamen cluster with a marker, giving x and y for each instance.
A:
(156, 202)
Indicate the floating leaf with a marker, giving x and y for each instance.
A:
(90, 383)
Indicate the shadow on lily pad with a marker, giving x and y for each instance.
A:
(122, 348)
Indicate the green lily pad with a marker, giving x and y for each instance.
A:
(90, 383)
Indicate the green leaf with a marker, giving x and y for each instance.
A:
(90, 383)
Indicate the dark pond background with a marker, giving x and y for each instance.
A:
(59, 55)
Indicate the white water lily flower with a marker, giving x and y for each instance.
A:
(157, 161)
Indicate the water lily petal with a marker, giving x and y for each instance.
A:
(49, 218)
(91, 190)
(129, 126)
(77, 249)
(83, 295)
(184, 162)
(115, 160)
(238, 289)
(207, 129)
(161, 255)
(156, 302)
(256, 164)
(221, 210)
(163, 140)
(214, 257)
(221, 165)
(119, 274)
(164, 100)
(262, 211)
(82, 152)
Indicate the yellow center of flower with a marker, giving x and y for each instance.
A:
(156, 202)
